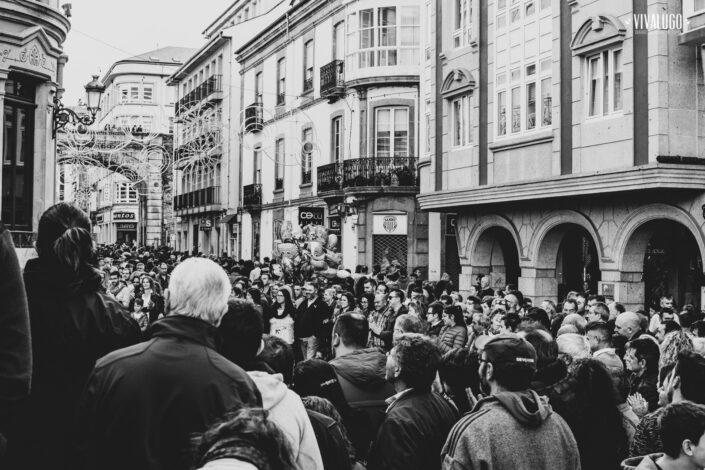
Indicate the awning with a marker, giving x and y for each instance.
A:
(228, 219)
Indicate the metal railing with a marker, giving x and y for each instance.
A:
(198, 198)
(399, 170)
(252, 196)
(211, 85)
(253, 118)
(333, 78)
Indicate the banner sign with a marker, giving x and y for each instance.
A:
(310, 215)
(126, 226)
(124, 216)
(389, 224)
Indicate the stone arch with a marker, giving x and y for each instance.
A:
(456, 82)
(485, 223)
(632, 238)
(598, 32)
(543, 247)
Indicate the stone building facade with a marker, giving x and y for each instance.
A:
(584, 168)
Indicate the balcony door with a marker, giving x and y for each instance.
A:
(392, 132)
(257, 167)
(339, 41)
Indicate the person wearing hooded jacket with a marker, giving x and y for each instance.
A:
(361, 373)
(241, 331)
(513, 427)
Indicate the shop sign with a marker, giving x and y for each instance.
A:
(310, 215)
(124, 216)
(206, 225)
(334, 225)
(99, 219)
(389, 224)
(126, 226)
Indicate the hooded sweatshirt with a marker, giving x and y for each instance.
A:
(516, 430)
(288, 412)
(362, 377)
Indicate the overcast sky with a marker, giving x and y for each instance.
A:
(105, 32)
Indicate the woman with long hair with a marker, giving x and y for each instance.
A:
(454, 333)
(366, 304)
(153, 302)
(73, 323)
(281, 324)
(346, 304)
(598, 428)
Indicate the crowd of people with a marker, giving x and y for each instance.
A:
(119, 357)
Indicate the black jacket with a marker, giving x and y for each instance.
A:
(413, 434)
(143, 403)
(72, 325)
(309, 319)
(331, 442)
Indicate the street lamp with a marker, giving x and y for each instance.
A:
(62, 116)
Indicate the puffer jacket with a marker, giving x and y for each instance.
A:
(452, 337)
(362, 377)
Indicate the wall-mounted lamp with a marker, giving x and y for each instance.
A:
(63, 116)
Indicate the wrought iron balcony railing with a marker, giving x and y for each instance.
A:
(374, 171)
(333, 79)
(281, 99)
(198, 198)
(207, 89)
(252, 196)
(254, 122)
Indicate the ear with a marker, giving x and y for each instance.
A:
(489, 371)
(687, 447)
(336, 340)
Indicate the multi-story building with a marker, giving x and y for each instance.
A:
(31, 65)
(207, 139)
(116, 213)
(564, 146)
(331, 104)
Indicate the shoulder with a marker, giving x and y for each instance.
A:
(115, 357)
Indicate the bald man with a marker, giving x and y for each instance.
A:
(626, 328)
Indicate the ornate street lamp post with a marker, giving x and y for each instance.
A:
(63, 116)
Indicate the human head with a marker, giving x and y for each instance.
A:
(407, 323)
(147, 282)
(453, 316)
(627, 325)
(549, 307)
(413, 363)
(544, 345)
(279, 355)
(114, 277)
(435, 312)
(667, 314)
(689, 378)
(577, 320)
(512, 303)
(507, 362)
(198, 288)
(511, 322)
(396, 298)
(598, 335)
(666, 301)
(572, 346)
(370, 286)
(642, 354)
(459, 370)
(241, 332)
(310, 291)
(367, 302)
(598, 311)
(581, 302)
(64, 240)
(681, 429)
(380, 302)
(318, 378)
(570, 306)
(298, 290)
(538, 317)
(351, 330)
(249, 436)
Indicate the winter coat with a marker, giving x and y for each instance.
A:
(647, 438)
(413, 433)
(452, 337)
(143, 403)
(287, 411)
(72, 325)
(331, 442)
(516, 430)
(646, 462)
(309, 319)
(362, 377)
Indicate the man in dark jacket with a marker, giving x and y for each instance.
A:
(418, 420)
(361, 373)
(310, 316)
(143, 403)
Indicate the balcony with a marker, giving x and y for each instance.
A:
(254, 121)
(281, 99)
(278, 184)
(308, 84)
(198, 199)
(333, 80)
(209, 90)
(374, 172)
(306, 177)
(252, 196)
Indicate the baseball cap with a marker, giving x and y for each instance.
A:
(510, 349)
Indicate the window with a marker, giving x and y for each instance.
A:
(339, 41)
(134, 93)
(124, 193)
(386, 36)
(392, 132)
(147, 93)
(279, 164)
(171, 125)
(524, 64)
(604, 83)
(462, 23)
(257, 166)
(281, 81)
(462, 132)
(258, 87)
(308, 66)
(124, 91)
(306, 157)
(337, 139)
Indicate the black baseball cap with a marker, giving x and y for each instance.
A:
(510, 349)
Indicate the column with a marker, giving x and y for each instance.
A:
(539, 284)
(3, 77)
(624, 287)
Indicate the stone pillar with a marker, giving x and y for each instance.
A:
(467, 276)
(3, 77)
(627, 288)
(539, 284)
(154, 200)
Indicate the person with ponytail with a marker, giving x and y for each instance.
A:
(73, 323)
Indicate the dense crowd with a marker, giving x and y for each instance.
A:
(133, 357)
